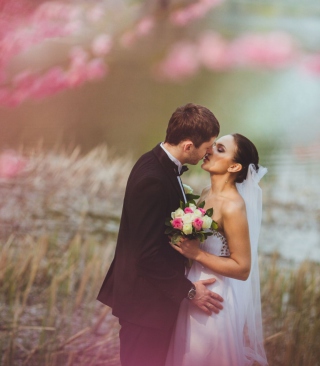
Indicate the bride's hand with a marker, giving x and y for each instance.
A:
(188, 248)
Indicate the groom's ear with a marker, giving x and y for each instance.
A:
(187, 145)
(234, 168)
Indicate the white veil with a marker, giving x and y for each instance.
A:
(249, 291)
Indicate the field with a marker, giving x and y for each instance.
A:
(58, 231)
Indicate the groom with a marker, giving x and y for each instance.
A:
(146, 281)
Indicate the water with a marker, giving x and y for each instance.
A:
(291, 220)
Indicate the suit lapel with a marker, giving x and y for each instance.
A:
(170, 168)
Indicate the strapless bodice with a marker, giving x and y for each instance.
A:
(216, 244)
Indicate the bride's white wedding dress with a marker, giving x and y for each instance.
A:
(234, 336)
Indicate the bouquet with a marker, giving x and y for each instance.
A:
(190, 220)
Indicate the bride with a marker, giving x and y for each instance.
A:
(234, 336)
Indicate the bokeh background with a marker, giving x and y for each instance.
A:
(87, 87)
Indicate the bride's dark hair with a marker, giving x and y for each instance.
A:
(246, 154)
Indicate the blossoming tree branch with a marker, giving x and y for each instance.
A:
(50, 46)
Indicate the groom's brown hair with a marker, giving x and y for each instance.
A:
(192, 122)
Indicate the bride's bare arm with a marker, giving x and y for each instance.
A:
(236, 230)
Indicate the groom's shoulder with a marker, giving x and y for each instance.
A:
(147, 161)
(147, 166)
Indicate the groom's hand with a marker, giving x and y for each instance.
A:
(205, 299)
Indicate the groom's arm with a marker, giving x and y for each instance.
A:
(148, 210)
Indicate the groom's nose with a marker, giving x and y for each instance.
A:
(210, 150)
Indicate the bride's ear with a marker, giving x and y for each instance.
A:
(235, 168)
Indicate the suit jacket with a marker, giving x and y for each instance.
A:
(146, 281)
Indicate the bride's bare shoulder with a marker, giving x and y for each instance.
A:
(234, 205)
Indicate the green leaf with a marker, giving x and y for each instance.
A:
(202, 237)
(214, 225)
(191, 196)
(169, 230)
(201, 204)
(182, 205)
(209, 212)
(176, 238)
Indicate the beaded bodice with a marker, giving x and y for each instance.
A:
(216, 244)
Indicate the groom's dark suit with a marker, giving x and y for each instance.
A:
(146, 283)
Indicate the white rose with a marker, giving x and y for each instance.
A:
(188, 218)
(187, 189)
(192, 206)
(197, 213)
(207, 221)
(177, 213)
(187, 229)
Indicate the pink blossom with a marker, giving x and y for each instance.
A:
(213, 51)
(192, 12)
(311, 63)
(101, 45)
(188, 210)
(53, 81)
(177, 223)
(95, 14)
(78, 55)
(197, 223)
(270, 50)
(180, 63)
(203, 211)
(96, 69)
(11, 164)
(144, 26)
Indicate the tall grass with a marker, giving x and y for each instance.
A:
(58, 227)
(291, 312)
(49, 315)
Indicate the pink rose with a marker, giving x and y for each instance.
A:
(188, 210)
(202, 210)
(197, 223)
(177, 223)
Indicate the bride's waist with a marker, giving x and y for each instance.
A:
(198, 272)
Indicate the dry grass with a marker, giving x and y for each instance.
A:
(291, 312)
(49, 315)
(58, 228)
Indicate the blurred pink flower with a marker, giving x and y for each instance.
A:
(95, 14)
(78, 56)
(96, 69)
(101, 45)
(11, 164)
(180, 63)
(270, 50)
(213, 51)
(53, 81)
(192, 12)
(311, 63)
(144, 26)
